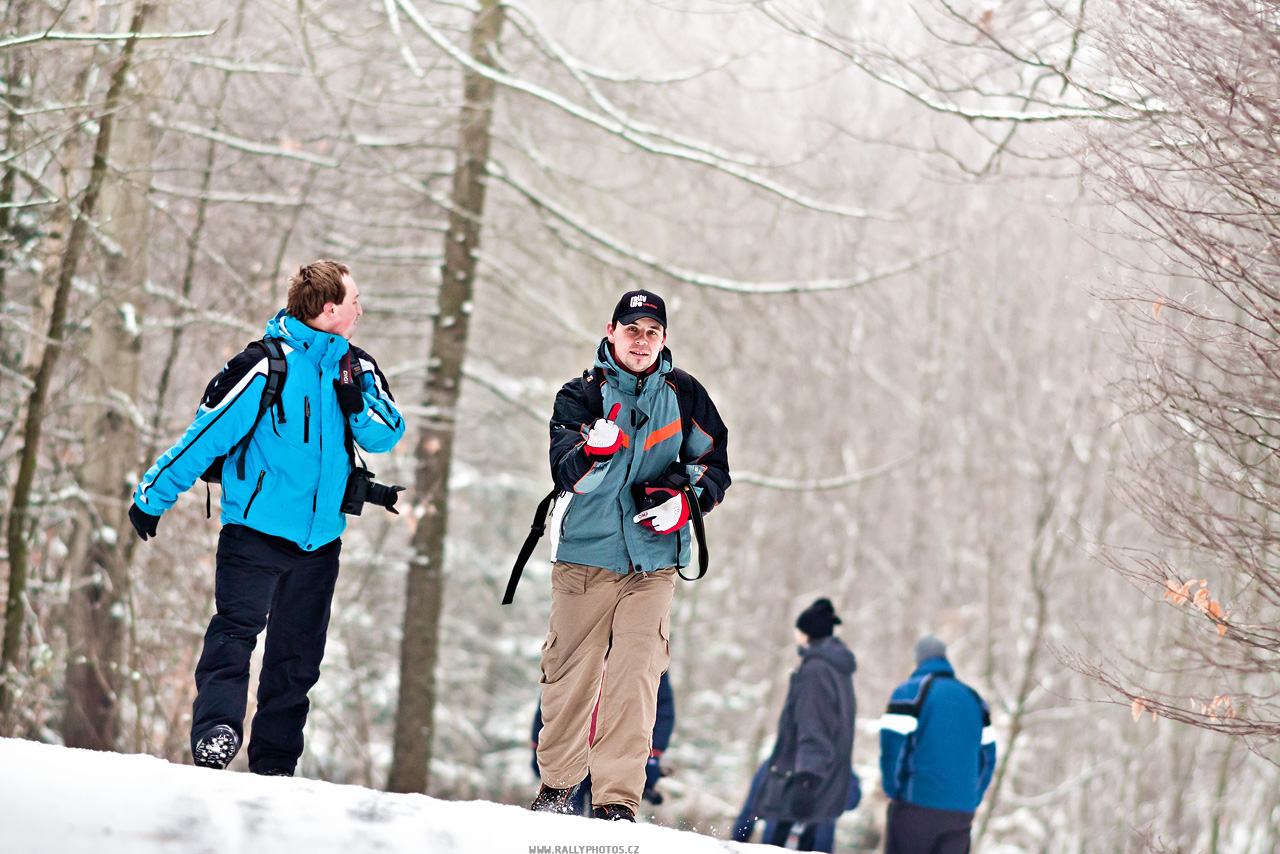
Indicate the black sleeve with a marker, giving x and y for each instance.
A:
(707, 429)
(570, 419)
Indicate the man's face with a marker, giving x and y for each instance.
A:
(637, 345)
(340, 318)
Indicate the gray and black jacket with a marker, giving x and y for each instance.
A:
(594, 526)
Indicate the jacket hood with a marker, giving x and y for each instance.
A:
(625, 381)
(933, 665)
(833, 651)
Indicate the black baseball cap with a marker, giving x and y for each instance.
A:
(637, 304)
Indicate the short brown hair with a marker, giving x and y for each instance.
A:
(314, 285)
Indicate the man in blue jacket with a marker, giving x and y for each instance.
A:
(623, 452)
(937, 754)
(277, 560)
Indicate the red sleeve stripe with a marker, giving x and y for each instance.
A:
(661, 435)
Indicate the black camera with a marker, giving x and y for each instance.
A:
(362, 489)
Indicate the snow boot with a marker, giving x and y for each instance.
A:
(216, 748)
(553, 800)
(614, 812)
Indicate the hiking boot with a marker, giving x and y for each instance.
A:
(553, 800)
(216, 748)
(614, 812)
(275, 772)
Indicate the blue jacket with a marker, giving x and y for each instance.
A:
(296, 466)
(937, 748)
(594, 525)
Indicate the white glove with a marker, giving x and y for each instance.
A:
(668, 516)
(605, 438)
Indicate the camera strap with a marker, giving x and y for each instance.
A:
(695, 516)
(350, 372)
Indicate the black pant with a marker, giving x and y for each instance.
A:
(781, 830)
(265, 582)
(915, 829)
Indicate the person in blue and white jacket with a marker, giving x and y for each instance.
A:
(937, 755)
(277, 560)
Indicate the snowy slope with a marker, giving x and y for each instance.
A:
(56, 800)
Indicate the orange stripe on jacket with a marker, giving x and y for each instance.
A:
(662, 435)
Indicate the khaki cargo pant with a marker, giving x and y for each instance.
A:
(589, 606)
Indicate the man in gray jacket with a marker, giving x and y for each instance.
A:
(623, 532)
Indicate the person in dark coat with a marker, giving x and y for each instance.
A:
(824, 837)
(937, 754)
(810, 771)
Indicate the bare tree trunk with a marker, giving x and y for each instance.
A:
(414, 728)
(75, 245)
(97, 614)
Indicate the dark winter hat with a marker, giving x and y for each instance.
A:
(818, 619)
(930, 646)
(637, 304)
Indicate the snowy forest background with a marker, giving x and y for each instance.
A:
(985, 291)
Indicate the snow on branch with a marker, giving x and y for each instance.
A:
(550, 48)
(686, 150)
(242, 144)
(818, 484)
(694, 278)
(1111, 107)
(56, 35)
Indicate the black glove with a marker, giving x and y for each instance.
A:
(350, 398)
(652, 774)
(143, 522)
(804, 794)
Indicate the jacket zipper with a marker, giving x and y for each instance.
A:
(253, 497)
(306, 419)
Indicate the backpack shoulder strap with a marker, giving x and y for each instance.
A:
(685, 394)
(593, 391)
(277, 371)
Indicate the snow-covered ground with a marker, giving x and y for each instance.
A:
(56, 800)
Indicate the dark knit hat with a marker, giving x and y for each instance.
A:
(818, 620)
(637, 304)
(930, 646)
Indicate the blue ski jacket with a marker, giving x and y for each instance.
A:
(937, 748)
(594, 526)
(296, 466)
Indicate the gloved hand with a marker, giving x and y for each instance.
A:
(143, 522)
(804, 794)
(604, 438)
(350, 398)
(668, 516)
(652, 774)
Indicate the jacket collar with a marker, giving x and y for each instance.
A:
(623, 380)
(322, 348)
(933, 665)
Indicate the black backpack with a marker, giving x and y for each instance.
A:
(592, 385)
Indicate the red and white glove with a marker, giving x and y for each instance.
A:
(604, 438)
(666, 517)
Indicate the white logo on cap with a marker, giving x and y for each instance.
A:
(637, 300)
